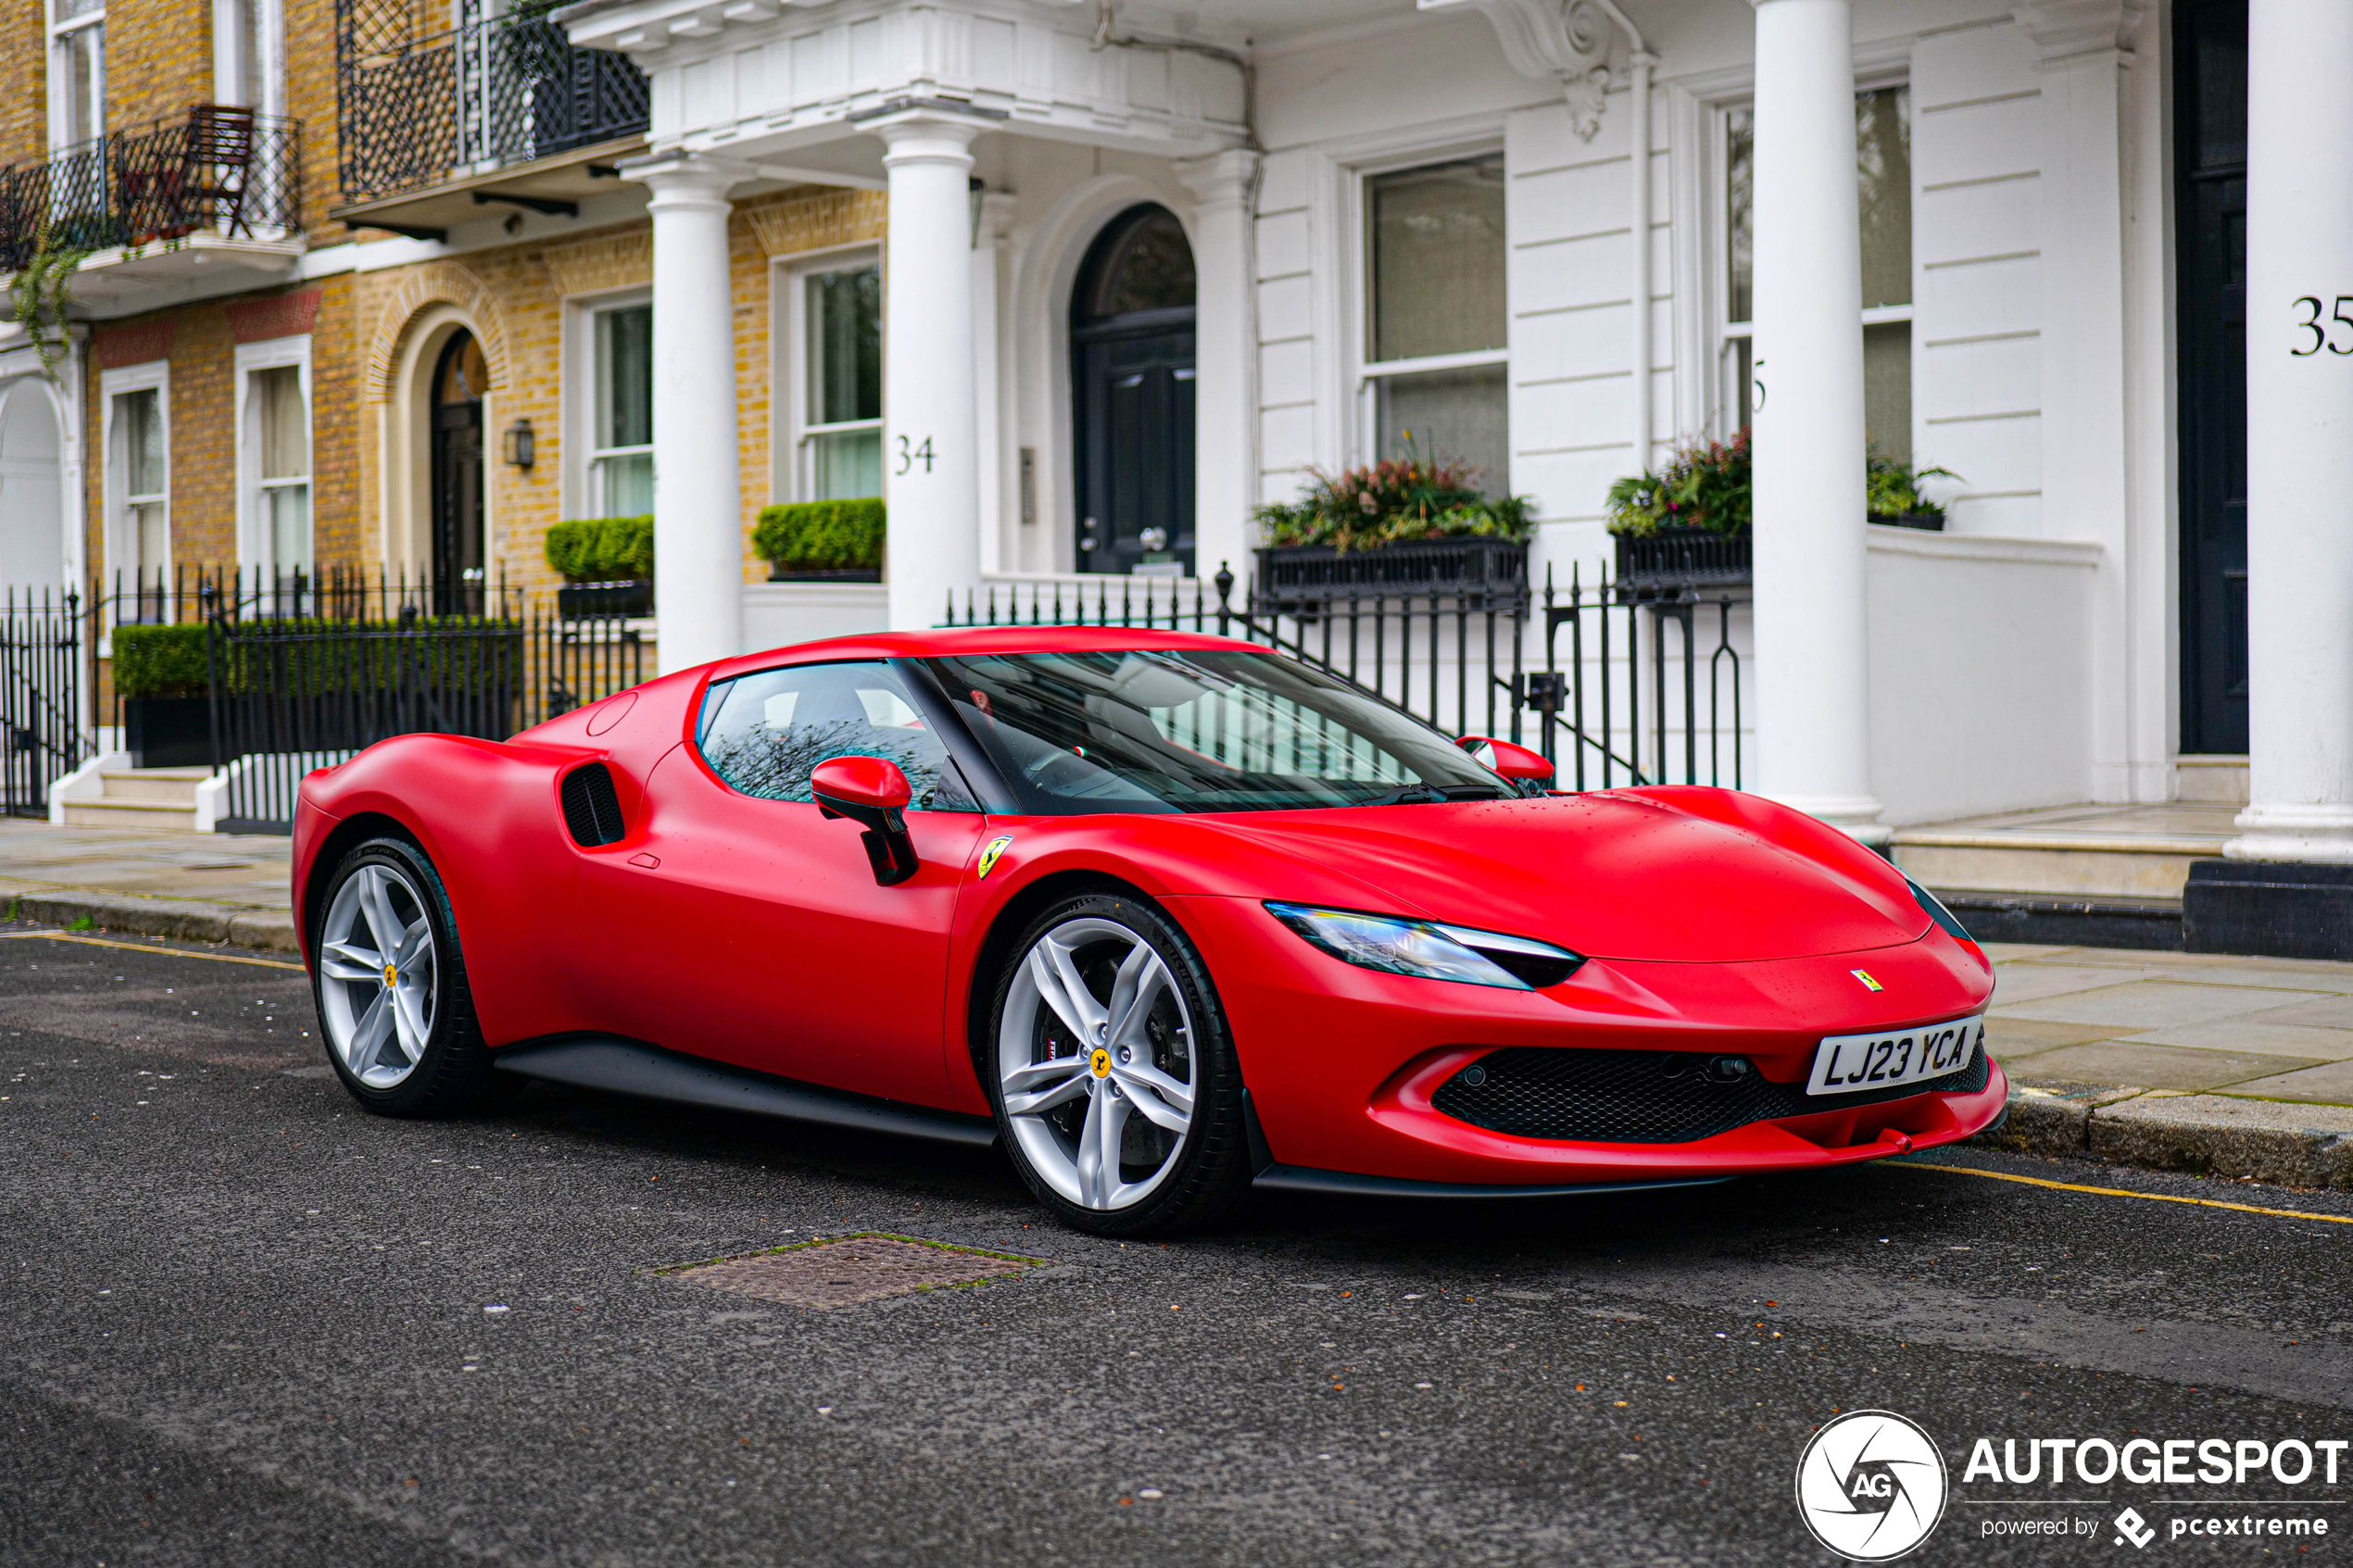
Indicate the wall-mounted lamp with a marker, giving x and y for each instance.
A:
(521, 447)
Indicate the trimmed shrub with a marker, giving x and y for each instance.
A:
(822, 535)
(603, 549)
(160, 660)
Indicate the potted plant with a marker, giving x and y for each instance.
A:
(823, 541)
(608, 564)
(1403, 525)
(1891, 490)
(161, 677)
(1687, 525)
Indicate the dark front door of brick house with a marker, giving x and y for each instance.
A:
(2209, 129)
(458, 381)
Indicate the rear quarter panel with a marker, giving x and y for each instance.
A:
(488, 814)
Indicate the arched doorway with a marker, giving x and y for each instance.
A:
(32, 529)
(1131, 336)
(460, 377)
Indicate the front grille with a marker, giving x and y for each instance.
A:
(1643, 1097)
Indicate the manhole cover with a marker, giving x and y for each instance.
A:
(844, 1271)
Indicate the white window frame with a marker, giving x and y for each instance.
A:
(256, 548)
(228, 48)
(796, 467)
(1730, 335)
(582, 475)
(121, 547)
(58, 29)
(1364, 372)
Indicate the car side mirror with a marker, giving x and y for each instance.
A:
(1530, 772)
(873, 793)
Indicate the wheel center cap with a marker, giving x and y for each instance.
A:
(1099, 1063)
(391, 975)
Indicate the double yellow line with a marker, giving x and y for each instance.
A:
(149, 947)
(2120, 1192)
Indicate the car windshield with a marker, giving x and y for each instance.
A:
(1195, 731)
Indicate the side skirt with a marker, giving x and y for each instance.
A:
(604, 1061)
(1341, 1184)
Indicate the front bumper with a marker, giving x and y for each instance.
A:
(1342, 1063)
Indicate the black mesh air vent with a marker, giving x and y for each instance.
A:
(591, 809)
(1643, 1097)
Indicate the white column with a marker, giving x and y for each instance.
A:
(1813, 691)
(1637, 210)
(699, 530)
(2087, 478)
(2299, 433)
(931, 469)
(998, 516)
(1225, 360)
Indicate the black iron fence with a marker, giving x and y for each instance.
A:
(268, 677)
(212, 166)
(1616, 684)
(41, 734)
(423, 103)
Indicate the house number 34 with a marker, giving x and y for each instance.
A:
(2323, 330)
(909, 456)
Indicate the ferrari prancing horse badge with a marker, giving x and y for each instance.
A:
(989, 854)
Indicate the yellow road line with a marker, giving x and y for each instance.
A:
(144, 947)
(2122, 1192)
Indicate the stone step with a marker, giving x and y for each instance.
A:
(2072, 851)
(173, 786)
(2220, 780)
(151, 815)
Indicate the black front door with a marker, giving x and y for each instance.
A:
(2210, 118)
(1132, 381)
(457, 478)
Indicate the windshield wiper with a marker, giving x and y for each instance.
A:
(1405, 794)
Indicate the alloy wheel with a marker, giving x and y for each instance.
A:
(378, 976)
(1095, 1060)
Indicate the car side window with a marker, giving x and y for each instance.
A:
(764, 733)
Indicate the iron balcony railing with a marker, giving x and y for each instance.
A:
(212, 167)
(420, 107)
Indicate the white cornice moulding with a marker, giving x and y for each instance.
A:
(1566, 40)
(2068, 29)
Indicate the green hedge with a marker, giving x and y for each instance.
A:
(822, 535)
(160, 660)
(603, 549)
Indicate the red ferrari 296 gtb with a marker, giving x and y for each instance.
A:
(1163, 916)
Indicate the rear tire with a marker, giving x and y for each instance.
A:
(1111, 1071)
(389, 981)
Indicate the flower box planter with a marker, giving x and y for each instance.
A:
(167, 732)
(1932, 521)
(778, 572)
(1291, 576)
(594, 601)
(1682, 558)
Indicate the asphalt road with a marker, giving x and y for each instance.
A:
(244, 1324)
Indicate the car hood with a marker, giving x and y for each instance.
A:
(1710, 878)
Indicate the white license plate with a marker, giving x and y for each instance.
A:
(1846, 1064)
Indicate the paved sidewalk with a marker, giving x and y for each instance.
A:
(2236, 1066)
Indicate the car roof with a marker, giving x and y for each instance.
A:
(969, 640)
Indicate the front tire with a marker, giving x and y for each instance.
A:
(1112, 1071)
(394, 1011)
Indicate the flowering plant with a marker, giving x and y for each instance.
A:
(1701, 486)
(1396, 498)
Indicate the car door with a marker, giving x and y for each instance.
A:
(756, 923)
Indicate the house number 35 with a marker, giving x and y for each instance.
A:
(909, 456)
(2323, 332)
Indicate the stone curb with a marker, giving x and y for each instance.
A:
(2295, 1145)
(188, 919)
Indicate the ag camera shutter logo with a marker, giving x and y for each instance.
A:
(1870, 1485)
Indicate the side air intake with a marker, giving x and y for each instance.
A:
(591, 809)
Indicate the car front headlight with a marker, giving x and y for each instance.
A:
(1398, 946)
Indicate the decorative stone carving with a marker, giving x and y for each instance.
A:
(2064, 30)
(1566, 40)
